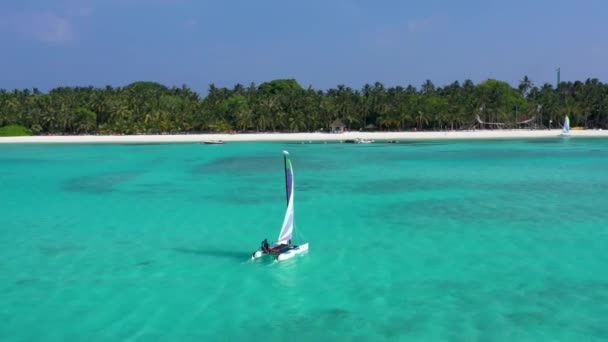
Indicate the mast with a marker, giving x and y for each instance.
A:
(285, 154)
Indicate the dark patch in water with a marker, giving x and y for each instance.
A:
(411, 155)
(582, 296)
(144, 263)
(581, 291)
(23, 161)
(384, 186)
(245, 195)
(335, 313)
(464, 155)
(158, 189)
(597, 152)
(160, 160)
(527, 319)
(316, 165)
(309, 186)
(27, 281)
(538, 187)
(242, 200)
(598, 330)
(240, 165)
(330, 318)
(466, 210)
(324, 318)
(99, 183)
(57, 250)
(103, 159)
(506, 155)
(213, 252)
(398, 326)
(265, 164)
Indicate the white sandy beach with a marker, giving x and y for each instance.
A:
(193, 138)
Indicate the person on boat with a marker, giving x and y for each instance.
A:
(265, 245)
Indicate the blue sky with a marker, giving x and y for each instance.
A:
(48, 43)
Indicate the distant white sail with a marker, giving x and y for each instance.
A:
(566, 128)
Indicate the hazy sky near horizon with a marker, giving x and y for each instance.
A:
(323, 43)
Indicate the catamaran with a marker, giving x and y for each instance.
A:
(283, 249)
(566, 128)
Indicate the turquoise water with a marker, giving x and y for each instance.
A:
(458, 241)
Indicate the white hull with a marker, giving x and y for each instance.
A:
(257, 254)
(293, 252)
(363, 141)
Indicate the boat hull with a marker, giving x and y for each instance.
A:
(257, 254)
(293, 252)
(288, 254)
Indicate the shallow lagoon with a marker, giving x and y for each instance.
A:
(452, 240)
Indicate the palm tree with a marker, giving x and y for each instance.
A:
(428, 88)
(525, 85)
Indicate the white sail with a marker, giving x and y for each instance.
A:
(288, 222)
(566, 124)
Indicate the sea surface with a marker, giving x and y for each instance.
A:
(503, 240)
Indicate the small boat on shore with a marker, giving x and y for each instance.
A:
(358, 141)
(363, 141)
(212, 142)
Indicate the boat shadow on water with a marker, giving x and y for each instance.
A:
(212, 252)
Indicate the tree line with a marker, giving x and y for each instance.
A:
(285, 106)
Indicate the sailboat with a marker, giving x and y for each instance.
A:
(566, 128)
(283, 249)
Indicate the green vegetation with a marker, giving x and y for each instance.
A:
(14, 131)
(283, 105)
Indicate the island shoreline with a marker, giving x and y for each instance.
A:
(299, 137)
